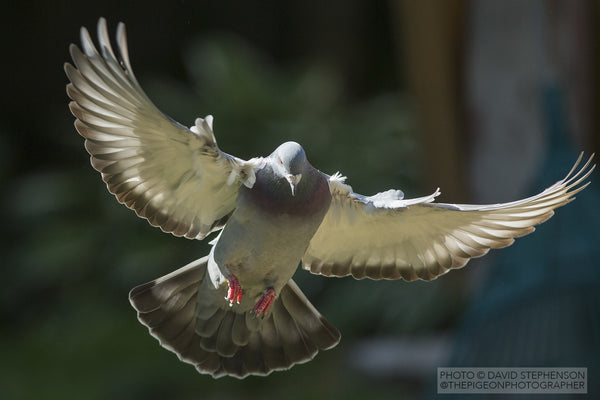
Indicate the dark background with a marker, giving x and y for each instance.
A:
(491, 101)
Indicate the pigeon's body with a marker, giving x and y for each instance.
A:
(249, 247)
(236, 311)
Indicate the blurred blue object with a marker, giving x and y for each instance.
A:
(540, 304)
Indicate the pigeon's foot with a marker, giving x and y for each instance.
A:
(234, 294)
(263, 304)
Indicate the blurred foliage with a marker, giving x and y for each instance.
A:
(72, 252)
(257, 107)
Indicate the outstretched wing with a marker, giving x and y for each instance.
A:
(386, 237)
(175, 177)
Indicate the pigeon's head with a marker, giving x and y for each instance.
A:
(289, 160)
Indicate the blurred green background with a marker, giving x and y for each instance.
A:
(386, 92)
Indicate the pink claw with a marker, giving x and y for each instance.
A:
(263, 304)
(234, 294)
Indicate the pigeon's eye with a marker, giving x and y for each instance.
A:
(280, 161)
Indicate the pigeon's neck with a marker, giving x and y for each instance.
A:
(272, 194)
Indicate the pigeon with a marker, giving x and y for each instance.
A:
(237, 311)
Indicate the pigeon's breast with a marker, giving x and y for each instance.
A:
(270, 230)
(274, 196)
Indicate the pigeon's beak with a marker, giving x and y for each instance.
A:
(293, 181)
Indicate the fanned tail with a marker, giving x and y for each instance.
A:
(184, 312)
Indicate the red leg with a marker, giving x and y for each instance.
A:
(263, 304)
(234, 294)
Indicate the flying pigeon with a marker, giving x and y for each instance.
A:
(237, 311)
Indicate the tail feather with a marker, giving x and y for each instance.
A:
(271, 349)
(172, 287)
(240, 332)
(209, 326)
(293, 341)
(190, 318)
(224, 344)
(309, 320)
